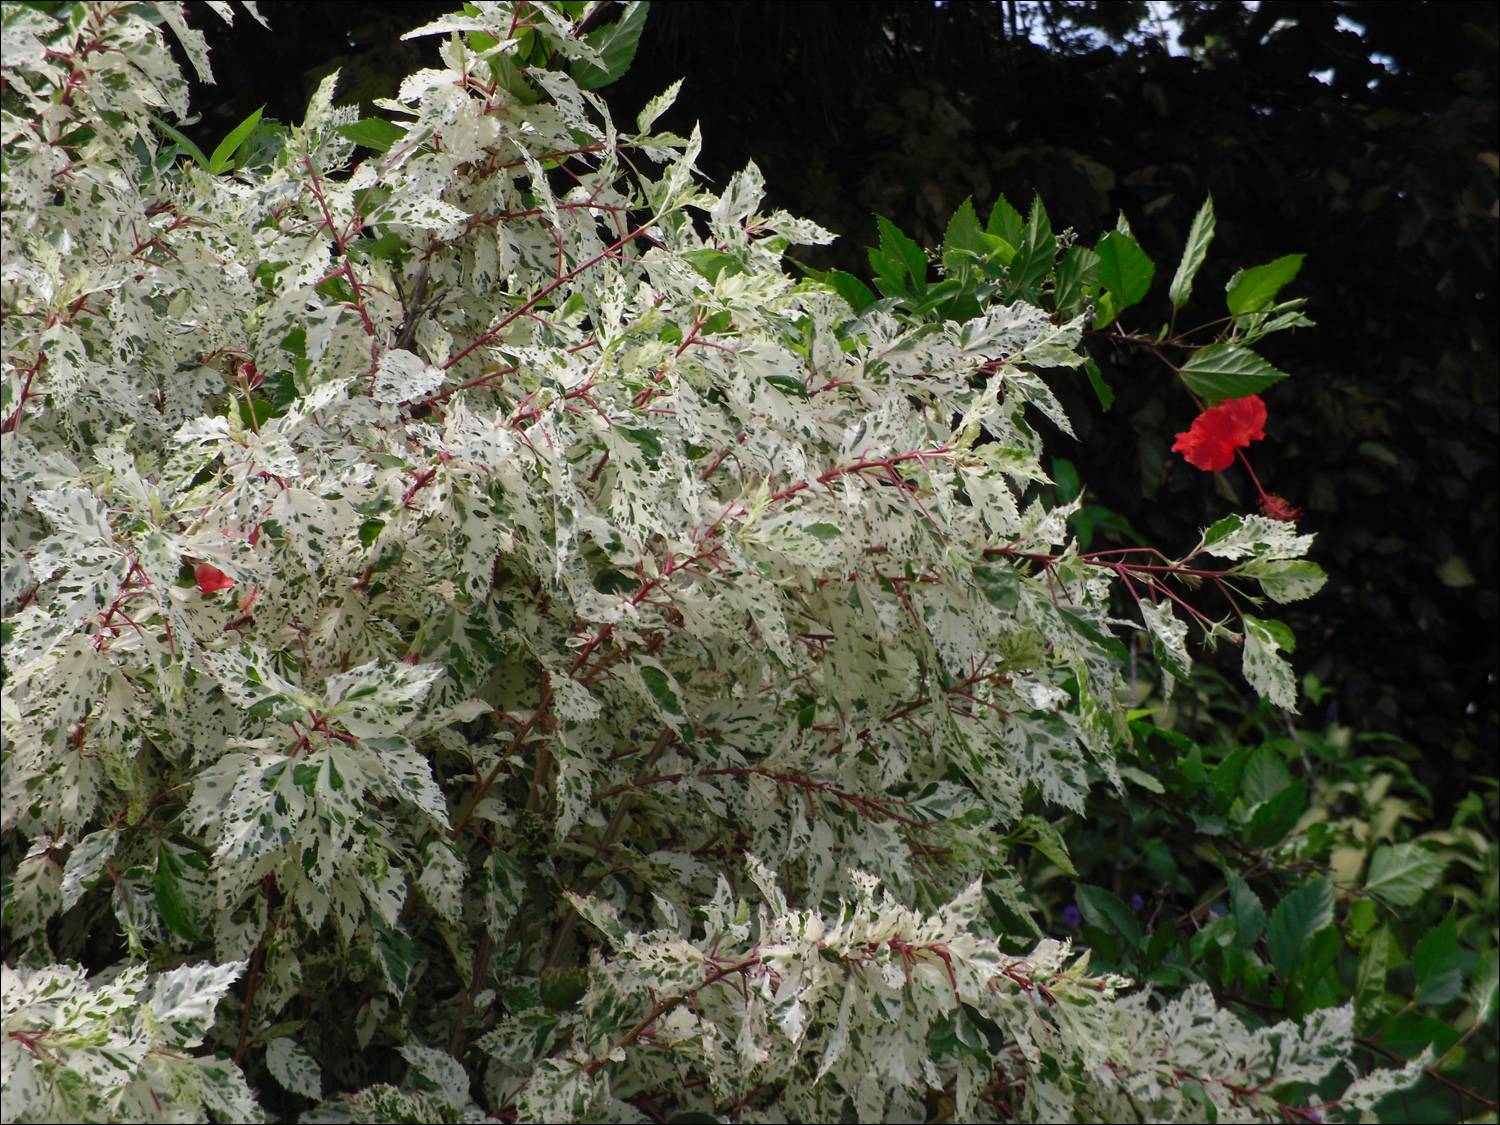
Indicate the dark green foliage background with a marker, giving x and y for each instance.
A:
(1385, 434)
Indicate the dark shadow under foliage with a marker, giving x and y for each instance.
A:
(1372, 152)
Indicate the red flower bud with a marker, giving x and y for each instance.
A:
(211, 579)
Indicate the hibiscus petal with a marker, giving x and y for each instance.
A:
(211, 579)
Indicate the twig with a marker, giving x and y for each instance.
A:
(256, 961)
(484, 786)
(662, 1007)
(456, 1045)
(1454, 1086)
(585, 885)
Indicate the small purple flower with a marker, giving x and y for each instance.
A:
(1071, 917)
(1137, 902)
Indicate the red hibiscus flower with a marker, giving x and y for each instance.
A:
(1219, 431)
(211, 579)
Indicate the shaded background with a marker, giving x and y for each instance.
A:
(1360, 134)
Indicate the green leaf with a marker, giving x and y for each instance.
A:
(649, 442)
(370, 530)
(231, 144)
(1374, 966)
(1107, 641)
(503, 886)
(389, 247)
(1249, 914)
(616, 44)
(787, 385)
(395, 951)
(1294, 922)
(1006, 223)
(890, 273)
(1278, 816)
(963, 231)
(904, 252)
(173, 904)
(1143, 779)
(1400, 875)
(852, 289)
(1045, 839)
(1414, 1032)
(711, 263)
(1201, 234)
(659, 684)
(1096, 380)
(1103, 909)
(1078, 270)
(1226, 776)
(1037, 251)
(1251, 290)
(1194, 1091)
(1320, 954)
(1124, 269)
(373, 132)
(1435, 963)
(1224, 371)
(1265, 776)
(186, 145)
(1105, 309)
(1065, 476)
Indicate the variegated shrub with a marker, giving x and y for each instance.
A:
(405, 558)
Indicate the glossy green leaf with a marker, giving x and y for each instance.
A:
(224, 154)
(1078, 269)
(1096, 380)
(183, 142)
(1251, 290)
(964, 231)
(1193, 254)
(1224, 371)
(1006, 223)
(1037, 251)
(616, 44)
(1265, 776)
(906, 254)
(1295, 920)
(852, 289)
(177, 909)
(1124, 269)
(374, 133)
